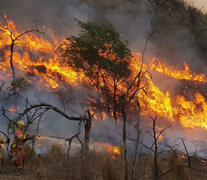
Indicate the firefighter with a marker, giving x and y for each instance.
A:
(11, 153)
(18, 143)
(2, 141)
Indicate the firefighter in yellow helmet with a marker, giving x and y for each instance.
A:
(2, 141)
(19, 141)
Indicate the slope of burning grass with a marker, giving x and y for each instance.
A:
(40, 63)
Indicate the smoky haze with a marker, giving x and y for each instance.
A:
(132, 20)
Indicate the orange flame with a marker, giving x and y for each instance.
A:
(12, 110)
(185, 74)
(59, 143)
(41, 138)
(48, 71)
(183, 156)
(115, 151)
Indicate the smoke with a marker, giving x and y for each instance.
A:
(132, 19)
(55, 15)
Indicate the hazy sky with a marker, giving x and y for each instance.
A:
(201, 4)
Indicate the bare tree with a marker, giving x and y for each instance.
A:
(154, 146)
(131, 94)
(69, 140)
(156, 150)
(186, 150)
(14, 40)
(44, 107)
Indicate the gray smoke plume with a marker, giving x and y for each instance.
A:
(132, 20)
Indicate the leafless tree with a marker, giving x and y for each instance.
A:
(69, 141)
(186, 150)
(156, 150)
(131, 94)
(154, 146)
(32, 119)
(42, 108)
(14, 39)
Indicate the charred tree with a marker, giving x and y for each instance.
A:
(137, 126)
(154, 148)
(40, 109)
(13, 39)
(124, 119)
(156, 173)
(186, 150)
(11, 59)
(114, 101)
(87, 125)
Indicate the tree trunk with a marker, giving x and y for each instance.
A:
(87, 132)
(114, 113)
(11, 60)
(136, 154)
(156, 175)
(33, 143)
(124, 143)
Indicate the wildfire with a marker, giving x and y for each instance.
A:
(41, 138)
(183, 156)
(113, 150)
(185, 74)
(47, 70)
(12, 110)
(59, 143)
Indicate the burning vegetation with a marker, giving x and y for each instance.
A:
(50, 71)
(123, 87)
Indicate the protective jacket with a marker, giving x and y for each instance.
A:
(19, 138)
(19, 141)
(2, 141)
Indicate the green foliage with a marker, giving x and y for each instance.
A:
(84, 50)
(104, 58)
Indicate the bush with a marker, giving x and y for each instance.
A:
(19, 84)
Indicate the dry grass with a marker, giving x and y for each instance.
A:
(99, 166)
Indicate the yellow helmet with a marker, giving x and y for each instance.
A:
(13, 145)
(20, 124)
